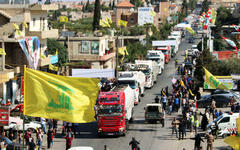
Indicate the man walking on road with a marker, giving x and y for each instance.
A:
(210, 140)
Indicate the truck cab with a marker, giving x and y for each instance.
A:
(166, 50)
(114, 111)
(158, 57)
(226, 124)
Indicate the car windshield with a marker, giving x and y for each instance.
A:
(218, 118)
(110, 109)
(131, 83)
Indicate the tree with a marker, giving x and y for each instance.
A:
(205, 6)
(137, 3)
(185, 7)
(97, 15)
(53, 46)
(87, 5)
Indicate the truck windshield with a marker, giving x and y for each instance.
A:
(132, 84)
(218, 118)
(165, 52)
(110, 110)
(152, 109)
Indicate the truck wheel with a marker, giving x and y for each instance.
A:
(100, 135)
(223, 136)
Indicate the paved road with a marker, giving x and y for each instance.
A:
(151, 136)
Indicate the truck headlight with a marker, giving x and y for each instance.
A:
(100, 130)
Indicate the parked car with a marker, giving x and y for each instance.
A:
(12, 145)
(33, 126)
(222, 100)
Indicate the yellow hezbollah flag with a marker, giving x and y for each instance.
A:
(234, 141)
(182, 84)
(213, 81)
(25, 25)
(2, 51)
(63, 19)
(54, 68)
(103, 23)
(122, 23)
(152, 13)
(15, 26)
(190, 91)
(190, 30)
(59, 97)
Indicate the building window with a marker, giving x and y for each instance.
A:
(34, 20)
(79, 48)
(95, 47)
(85, 47)
(132, 20)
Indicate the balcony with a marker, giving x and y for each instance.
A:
(44, 7)
(44, 62)
(53, 33)
(91, 57)
(6, 75)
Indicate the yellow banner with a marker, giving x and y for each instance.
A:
(63, 19)
(213, 81)
(122, 23)
(2, 51)
(59, 97)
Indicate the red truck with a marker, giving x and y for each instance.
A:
(114, 111)
(166, 50)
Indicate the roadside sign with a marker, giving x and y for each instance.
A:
(4, 115)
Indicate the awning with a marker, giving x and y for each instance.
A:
(93, 73)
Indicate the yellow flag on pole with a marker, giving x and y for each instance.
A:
(182, 84)
(234, 141)
(15, 26)
(63, 19)
(2, 51)
(58, 97)
(152, 13)
(213, 81)
(190, 30)
(52, 67)
(103, 23)
(122, 23)
(25, 25)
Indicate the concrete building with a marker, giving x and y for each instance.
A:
(99, 52)
(225, 3)
(32, 22)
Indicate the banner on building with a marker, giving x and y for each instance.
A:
(2, 51)
(4, 115)
(93, 73)
(145, 15)
(225, 80)
(59, 97)
(30, 47)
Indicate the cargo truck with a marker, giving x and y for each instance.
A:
(114, 111)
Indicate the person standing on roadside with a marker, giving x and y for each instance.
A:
(210, 140)
(69, 138)
(174, 127)
(49, 138)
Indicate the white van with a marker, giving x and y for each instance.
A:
(226, 124)
(157, 56)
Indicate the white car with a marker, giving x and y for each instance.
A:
(33, 126)
(81, 148)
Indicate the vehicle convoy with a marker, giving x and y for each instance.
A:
(114, 111)
(158, 57)
(136, 80)
(226, 124)
(166, 50)
(153, 112)
(150, 69)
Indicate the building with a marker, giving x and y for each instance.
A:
(99, 52)
(225, 3)
(24, 31)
